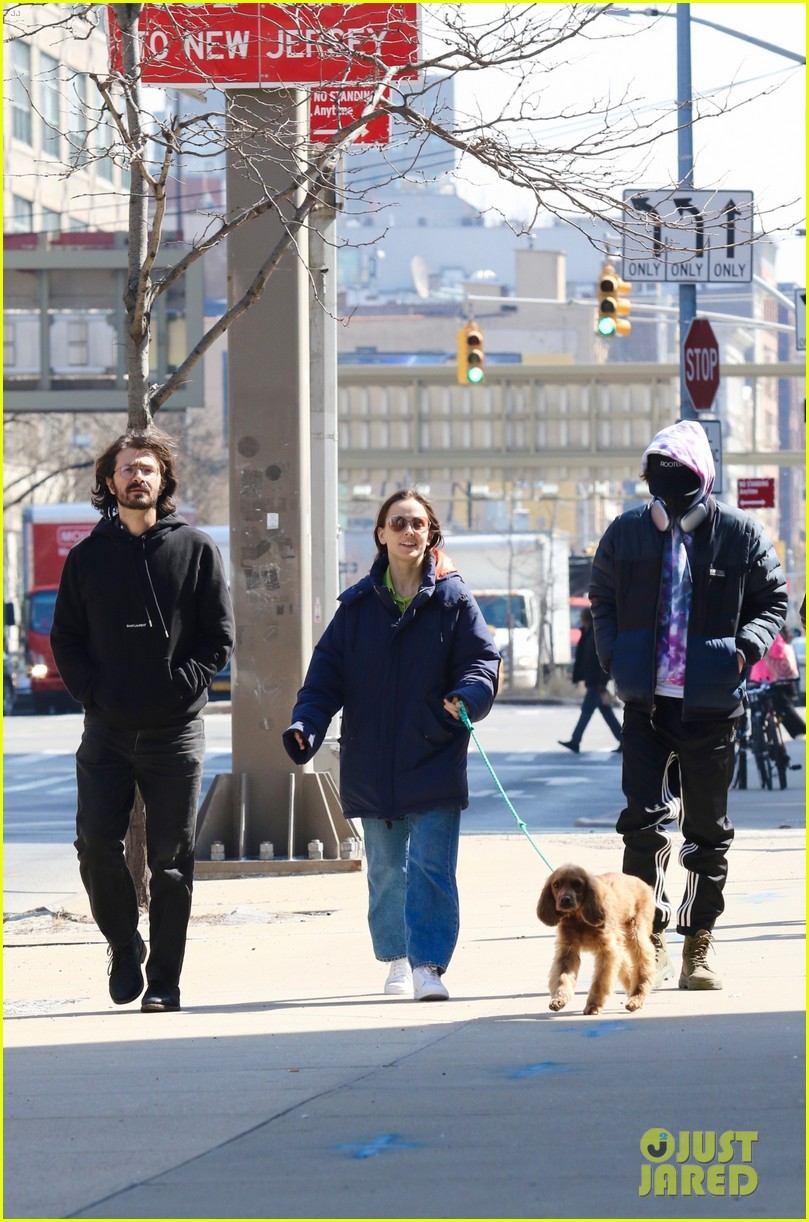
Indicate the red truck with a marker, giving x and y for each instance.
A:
(48, 533)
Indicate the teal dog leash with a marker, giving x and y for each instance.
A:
(520, 823)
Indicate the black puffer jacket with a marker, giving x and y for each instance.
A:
(739, 602)
(142, 623)
(586, 667)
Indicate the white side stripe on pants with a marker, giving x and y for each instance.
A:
(671, 803)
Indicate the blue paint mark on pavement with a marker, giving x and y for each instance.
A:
(378, 1145)
(541, 1067)
(763, 897)
(605, 1029)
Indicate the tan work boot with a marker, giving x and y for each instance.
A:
(664, 968)
(696, 973)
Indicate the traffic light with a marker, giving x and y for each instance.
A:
(470, 355)
(613, 305)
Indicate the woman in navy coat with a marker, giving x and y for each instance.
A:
(408, 643)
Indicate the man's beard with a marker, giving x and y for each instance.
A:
(139, 500)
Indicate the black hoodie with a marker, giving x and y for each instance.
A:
(142, 623)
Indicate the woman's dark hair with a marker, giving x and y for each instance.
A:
(407, 494)
(160, 445)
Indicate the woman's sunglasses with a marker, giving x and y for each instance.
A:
(397, 523)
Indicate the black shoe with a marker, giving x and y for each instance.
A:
(159, 997)
(126, 978)
(571, 746)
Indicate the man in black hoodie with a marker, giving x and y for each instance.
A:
(142, 623)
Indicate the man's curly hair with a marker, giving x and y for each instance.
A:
(160, 445)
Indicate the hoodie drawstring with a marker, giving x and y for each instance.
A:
(154, 596)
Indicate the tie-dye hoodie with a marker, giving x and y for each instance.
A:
(687, 442)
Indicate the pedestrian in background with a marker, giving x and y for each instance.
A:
(408, 643)
(686, 592)
(588, 670)
(780, 668)
(142, 623)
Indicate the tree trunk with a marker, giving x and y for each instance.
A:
(135, 847)
(137, 297)
(139, 415)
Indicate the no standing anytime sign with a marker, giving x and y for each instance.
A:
(254, 45)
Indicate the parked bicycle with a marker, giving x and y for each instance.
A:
(759, 733)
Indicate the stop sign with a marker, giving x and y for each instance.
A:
(701, 363)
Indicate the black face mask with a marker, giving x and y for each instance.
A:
(677, 505)
(672, 482)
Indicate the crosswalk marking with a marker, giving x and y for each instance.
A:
(27, 786)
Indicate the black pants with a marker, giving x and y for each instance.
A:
(676, 770)
(166, 764)
(782, 700)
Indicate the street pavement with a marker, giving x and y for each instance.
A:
(290, 1087)
(551, 789)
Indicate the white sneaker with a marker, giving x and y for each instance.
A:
(400, 978)
(427, 985)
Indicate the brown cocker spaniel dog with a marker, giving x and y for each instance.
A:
(611, 916)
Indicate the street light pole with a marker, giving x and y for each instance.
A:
(685, 178)
(713, 25)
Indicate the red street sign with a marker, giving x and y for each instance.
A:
(701, 364)
(271, 45)
(756, 493)
(335, 107)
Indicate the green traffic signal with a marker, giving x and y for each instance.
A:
(471, 359)
(613, 303)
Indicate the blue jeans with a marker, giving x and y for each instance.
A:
(591, 702)
(413, 910)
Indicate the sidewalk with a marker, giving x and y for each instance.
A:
(289, 1087)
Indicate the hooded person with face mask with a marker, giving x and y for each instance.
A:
(686, 592)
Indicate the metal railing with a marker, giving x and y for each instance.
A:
(573, 419)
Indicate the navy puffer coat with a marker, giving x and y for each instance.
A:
(400, 751)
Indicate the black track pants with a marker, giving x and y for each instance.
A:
(676, 770)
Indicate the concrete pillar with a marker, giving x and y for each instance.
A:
(323, 385)
(270, 536)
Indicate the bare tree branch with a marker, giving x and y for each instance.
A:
(568, 163)
(31, 487)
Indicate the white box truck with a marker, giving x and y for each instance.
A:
(521, 583)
